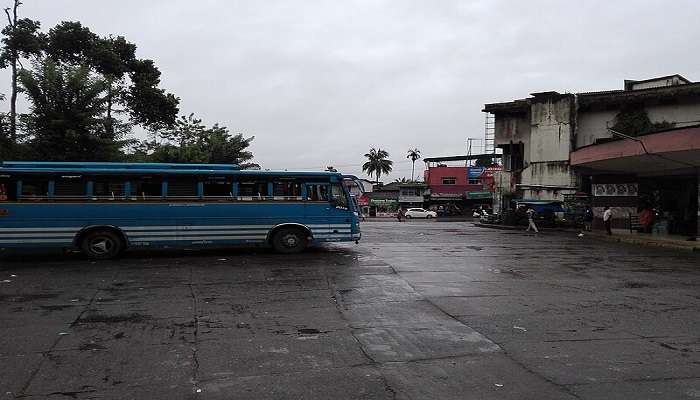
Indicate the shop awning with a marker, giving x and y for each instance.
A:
(677, 149)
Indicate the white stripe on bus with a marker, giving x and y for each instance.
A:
(7, 235)
(190, 238)
(36, 241)
(167, 227)
(40, 229)
(39, 235)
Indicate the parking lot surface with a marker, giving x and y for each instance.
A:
(417, 310)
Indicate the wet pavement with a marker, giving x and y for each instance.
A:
(418, 310)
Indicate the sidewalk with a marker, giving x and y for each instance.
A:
(670, 241)
(619, 236)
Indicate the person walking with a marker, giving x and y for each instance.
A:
(607, 220)
(588, 219)
(400, 214)
(531, 221)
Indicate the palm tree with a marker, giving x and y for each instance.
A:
(377, 163)
(413, 155)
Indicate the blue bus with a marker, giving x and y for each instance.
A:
(103, 209)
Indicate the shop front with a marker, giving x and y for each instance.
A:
(383, 207)
(649, 182)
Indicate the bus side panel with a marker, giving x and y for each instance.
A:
(168, 224)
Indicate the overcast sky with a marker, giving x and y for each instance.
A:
(320, 82)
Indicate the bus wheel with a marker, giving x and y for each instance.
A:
(101, 245)
(289, 240)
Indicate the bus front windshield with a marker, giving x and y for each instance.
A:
(340, 196)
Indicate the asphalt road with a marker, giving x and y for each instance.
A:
(417, 310)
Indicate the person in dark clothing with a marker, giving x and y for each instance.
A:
(588, 219)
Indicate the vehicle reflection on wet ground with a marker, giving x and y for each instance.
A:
(416, 310)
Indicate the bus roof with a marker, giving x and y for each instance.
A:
(142, 168)
(112, 165)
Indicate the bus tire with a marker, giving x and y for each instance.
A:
(101, 245)
(289, 240)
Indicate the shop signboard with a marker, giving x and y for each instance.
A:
(363, 201)
(479, 195)
(383, 202)
(615, 189)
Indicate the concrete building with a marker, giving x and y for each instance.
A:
(453, 183)
(412, 194)
(644, 138)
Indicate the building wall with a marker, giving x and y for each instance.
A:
(503, 190)
(551, 130)
(434, 175)
(672, 81)
(513, 128)
(592, 125)
(551, 137)
(681, 114)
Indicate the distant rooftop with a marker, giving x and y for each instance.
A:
(670, 86)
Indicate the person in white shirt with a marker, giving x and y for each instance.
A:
(530, 220)
(607, 220)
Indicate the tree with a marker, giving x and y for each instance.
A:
(132, 83)
(65, 122)
(191, 141)
(634, 121)
(21, 39)
(402, 180)
(377, 163)
(413, 155)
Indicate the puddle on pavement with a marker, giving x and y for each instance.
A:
(111, 319)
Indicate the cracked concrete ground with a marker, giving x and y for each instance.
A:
(418, 310)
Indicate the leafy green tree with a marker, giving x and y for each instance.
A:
(377, 163)
(191, 141)
(21, 39)
(65, 122)
(413, 155)
(132, 83)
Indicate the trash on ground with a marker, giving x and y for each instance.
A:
(5, 281)
(63, 333)
(498, 384)
(520, 328)
(222, 259)
(13, 276)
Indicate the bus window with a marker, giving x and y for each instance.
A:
(8, 190)
(35, 189)
(218, 188)
(108, 187)
(70, 186)
(252, 190)
(317, 192)
(146, 188)
(184, 187)
(339, 196)
(286, 190)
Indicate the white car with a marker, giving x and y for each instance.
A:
(420, 213)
